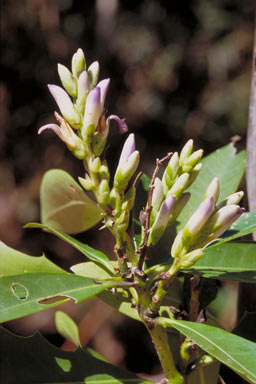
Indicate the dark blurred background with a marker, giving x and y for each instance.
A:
(178, 69)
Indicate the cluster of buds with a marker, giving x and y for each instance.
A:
(84, 128)
(206, 224)
(169, 196)
(83, 125)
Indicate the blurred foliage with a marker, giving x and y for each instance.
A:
(178, 70)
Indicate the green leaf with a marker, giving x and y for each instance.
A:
(225, 164)
(34, 360)
(44, 290)
(237, 353)
(64, 205)
(67, 328)
(245, 225)
(98, 257)
(13, 262)
(227, 261)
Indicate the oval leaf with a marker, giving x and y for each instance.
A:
(64, 205)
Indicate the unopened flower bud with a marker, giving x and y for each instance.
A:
(180, 246)
(161, 220)
(223, 219)
(192, 160)
(115, 201)
(82, 92)
(92, 112)
(157, 196)
(191, 258)
(65, 105)
(86, 183)
(235, 198)
(94, 164)
(125, 172)
(171, 172)
(93, 73)
(179, 205)
(180, 185)
(186, 151)
(68, 81)
(213, 190)
(104, 171)
(78, 63)
(100, 138)
(194, 173)
(129, 197)
(199, 217)
(104, 192)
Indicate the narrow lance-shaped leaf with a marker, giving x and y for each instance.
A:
(93, 254)
(22, 295)
(227, 261)
(237, 353)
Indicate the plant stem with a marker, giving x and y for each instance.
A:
(160, 340)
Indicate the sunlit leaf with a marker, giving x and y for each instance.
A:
(237, 353)
(64, 205)
(93, 254)
(13, 262)
(223, 163)
(44, 290)
(67, 328)
(228, 261)
(34, 360)
(245, 225)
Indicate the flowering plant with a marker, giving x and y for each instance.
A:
(173, 241)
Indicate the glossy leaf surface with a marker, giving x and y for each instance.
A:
(64, 205)
(228, 261)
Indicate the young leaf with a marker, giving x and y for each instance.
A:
(67, 328)
(225, 164)
(92, 270)
(237, 353)
(227, 261)
(34, 360)
(13, 262)
(98, 257)
(64, 205)
(44, 290)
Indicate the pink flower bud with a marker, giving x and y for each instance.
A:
(92, 112)
(122, 124)
(65, 105)
(128, 149)
(161, 220)
(199, 217)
